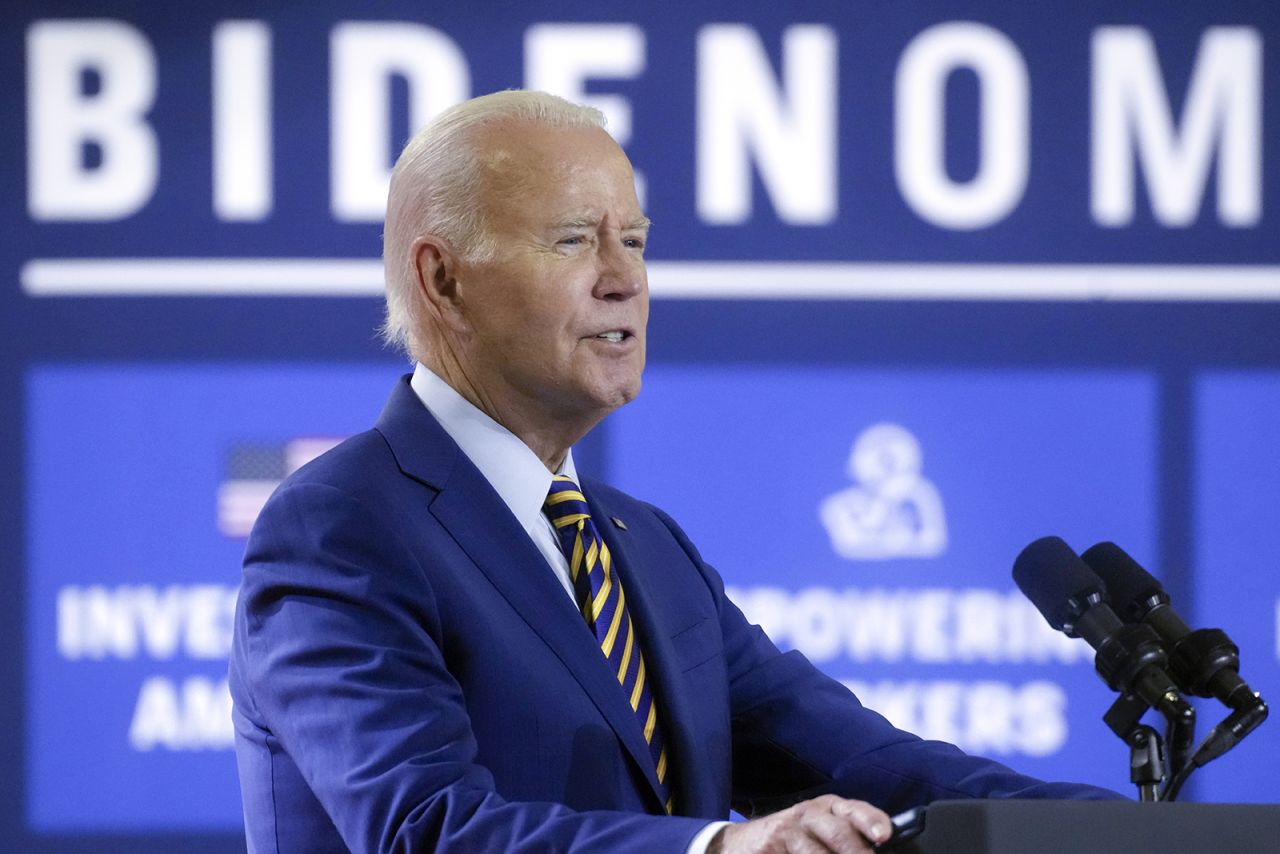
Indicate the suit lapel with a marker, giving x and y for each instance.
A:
(482, 525)
(676, 706)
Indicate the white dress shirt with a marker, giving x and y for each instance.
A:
(519, 478)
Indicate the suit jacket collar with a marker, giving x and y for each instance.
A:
(467, 506)
(422, 448)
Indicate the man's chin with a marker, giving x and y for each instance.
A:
(607, 402)
(627, 393)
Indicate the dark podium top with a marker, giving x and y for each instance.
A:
(1094, 827)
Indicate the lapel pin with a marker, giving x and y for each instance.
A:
(618, 522)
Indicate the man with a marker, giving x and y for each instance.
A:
(447, 641)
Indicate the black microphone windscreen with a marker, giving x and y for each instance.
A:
(1131, 587)
(1056, 581)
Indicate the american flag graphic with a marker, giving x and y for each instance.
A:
(254, 470)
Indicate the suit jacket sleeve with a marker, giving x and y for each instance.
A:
(337, 662)
(797, 733)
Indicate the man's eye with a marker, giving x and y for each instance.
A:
(575, 240)
(634, 243)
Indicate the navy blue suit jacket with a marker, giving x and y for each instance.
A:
(409, 675)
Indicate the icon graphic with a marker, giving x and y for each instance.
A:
(891, 511)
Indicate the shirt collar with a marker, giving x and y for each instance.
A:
(510, 466)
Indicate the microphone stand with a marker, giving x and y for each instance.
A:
(1249, 711)
(1131, 661)
(1147, 768)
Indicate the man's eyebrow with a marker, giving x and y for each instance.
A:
(575, 222)
(641, 224)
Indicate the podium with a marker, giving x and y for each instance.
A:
(1095, 827)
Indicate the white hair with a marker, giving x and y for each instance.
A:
(435, 190)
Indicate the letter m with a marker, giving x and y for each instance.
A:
(1133, 120)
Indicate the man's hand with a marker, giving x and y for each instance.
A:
(824, 824)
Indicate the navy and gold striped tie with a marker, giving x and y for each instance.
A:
(604, 605)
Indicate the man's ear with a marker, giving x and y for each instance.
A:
(436, 268)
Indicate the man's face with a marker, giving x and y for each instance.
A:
(557, 316)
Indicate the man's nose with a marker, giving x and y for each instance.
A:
(620, 270)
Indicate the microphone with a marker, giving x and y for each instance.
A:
(1203, 662)
(1071, 596)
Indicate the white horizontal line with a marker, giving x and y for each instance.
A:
(202, 277)
(326, 277)
(781, 280)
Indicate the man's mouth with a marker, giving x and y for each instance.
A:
(614, 336)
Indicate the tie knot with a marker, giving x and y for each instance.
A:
(565, 504)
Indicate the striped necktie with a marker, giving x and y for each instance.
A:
(604, 605)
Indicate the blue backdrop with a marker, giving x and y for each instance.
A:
(930, 280)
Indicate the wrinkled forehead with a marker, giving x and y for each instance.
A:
(523, 159)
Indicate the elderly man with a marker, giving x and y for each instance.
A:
(447, 640)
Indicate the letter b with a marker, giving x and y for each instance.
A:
(62, 118)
